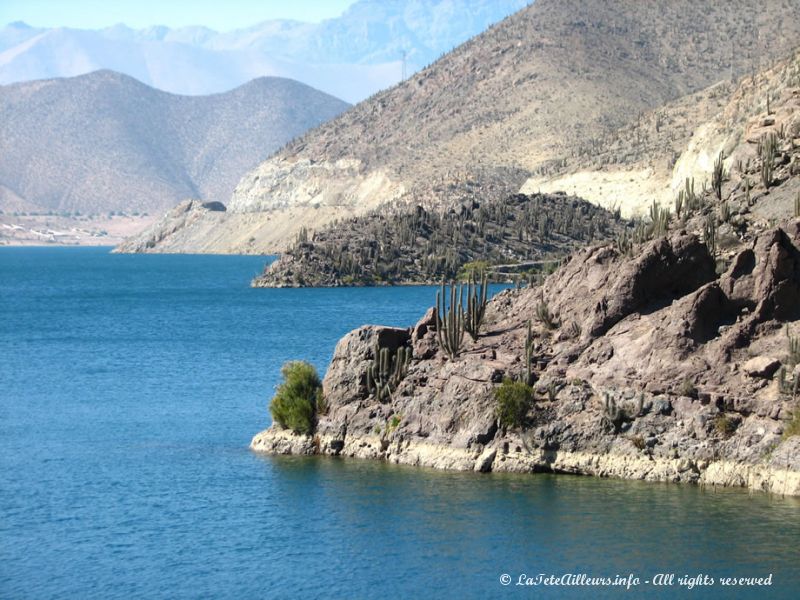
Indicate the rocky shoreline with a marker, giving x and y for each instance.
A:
(652, 367)
(771, 476)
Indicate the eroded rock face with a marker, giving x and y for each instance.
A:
(668, 268)
(657, 379)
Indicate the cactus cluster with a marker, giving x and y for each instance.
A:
(387, 371)
(624, 243)
(788, 384)
(453, 320)
(686, 201)
(615, 415)
(612, 413)
(450, 325)
(476, 304)
(399, 242)
(659, 220)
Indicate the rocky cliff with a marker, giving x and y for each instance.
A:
(651, 366)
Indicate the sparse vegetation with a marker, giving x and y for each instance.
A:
(513, 402)
(412, 244)
(294, 405)
(393, 423)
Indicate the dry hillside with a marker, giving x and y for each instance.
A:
(105, 142)
(522, 94)
(650, 158)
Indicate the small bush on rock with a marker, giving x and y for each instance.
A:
(513, 402)
(793, 427)
(725, 425)
(295, 403)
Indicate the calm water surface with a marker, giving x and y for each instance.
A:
(130, 387)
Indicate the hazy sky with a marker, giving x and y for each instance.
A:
(221, 15)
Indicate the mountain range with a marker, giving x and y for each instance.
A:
(350, 57)
(105, 142)
(494, 114)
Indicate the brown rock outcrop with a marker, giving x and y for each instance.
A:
(649, 382)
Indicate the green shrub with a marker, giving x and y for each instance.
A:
(513, 402)
(638, 442)
(295, 403)
(725, 425)
(687, 388)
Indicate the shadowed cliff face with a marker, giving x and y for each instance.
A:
(658, 379)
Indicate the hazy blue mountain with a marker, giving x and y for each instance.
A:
(350, 57)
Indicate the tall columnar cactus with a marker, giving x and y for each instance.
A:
(794, 348)
(690, 198)
(747, 188)
(710, 235)
(768, 148)
(476, 304)
(529, 346)
(387, 371)
(450, 319)
(724, 212)
(680, 201)
(718, 175)
(797, 206)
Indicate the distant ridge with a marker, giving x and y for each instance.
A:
(105, 142)
(351, 56)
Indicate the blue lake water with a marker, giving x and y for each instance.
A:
(130, 387)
